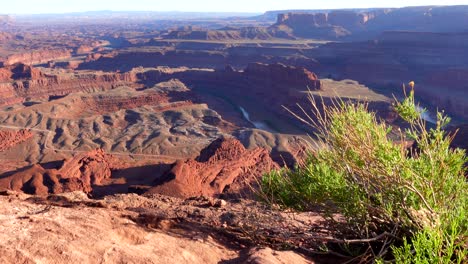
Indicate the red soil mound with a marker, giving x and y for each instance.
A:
(224, 166)
(9, 139)
(77, 174)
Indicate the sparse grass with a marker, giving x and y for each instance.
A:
(411, 202)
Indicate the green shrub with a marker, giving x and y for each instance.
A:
(416, 196)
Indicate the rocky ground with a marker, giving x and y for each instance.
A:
(153, 229)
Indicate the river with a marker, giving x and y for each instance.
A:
(257, 124)
(426, 115)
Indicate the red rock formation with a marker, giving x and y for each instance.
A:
(93, 57)
(92, 168)
(5, 75)
(19, 71)
(224, 166)
(38, 56)
(9, 139)
(84, 49)
(77, 174)
(90, 46)
(44, 86)
(73, 64)
(111, 104)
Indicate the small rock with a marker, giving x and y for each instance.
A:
(220, 203)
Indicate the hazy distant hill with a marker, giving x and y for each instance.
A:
(5, 20)
(106, 15)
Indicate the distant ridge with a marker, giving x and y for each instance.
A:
(356, 24)
(272, 14)
(140, 14)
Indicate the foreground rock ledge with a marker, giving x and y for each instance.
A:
(35, 232)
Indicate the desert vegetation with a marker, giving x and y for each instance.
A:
(397, 204)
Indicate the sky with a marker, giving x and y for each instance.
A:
(255, 6)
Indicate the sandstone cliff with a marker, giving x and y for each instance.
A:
(328, 25)
(366, 24)
(36, 57)
(21, 82)
(19, 71)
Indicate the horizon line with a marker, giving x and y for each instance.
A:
(215, 12)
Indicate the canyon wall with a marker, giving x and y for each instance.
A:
(341, 18)
(20, 82)
(36, 57)
(328, 25)
(222, 34)
(19, 71)
(366, 24)
(435, 61)
(238, 57)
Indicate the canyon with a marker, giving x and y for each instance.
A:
(160, 128)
